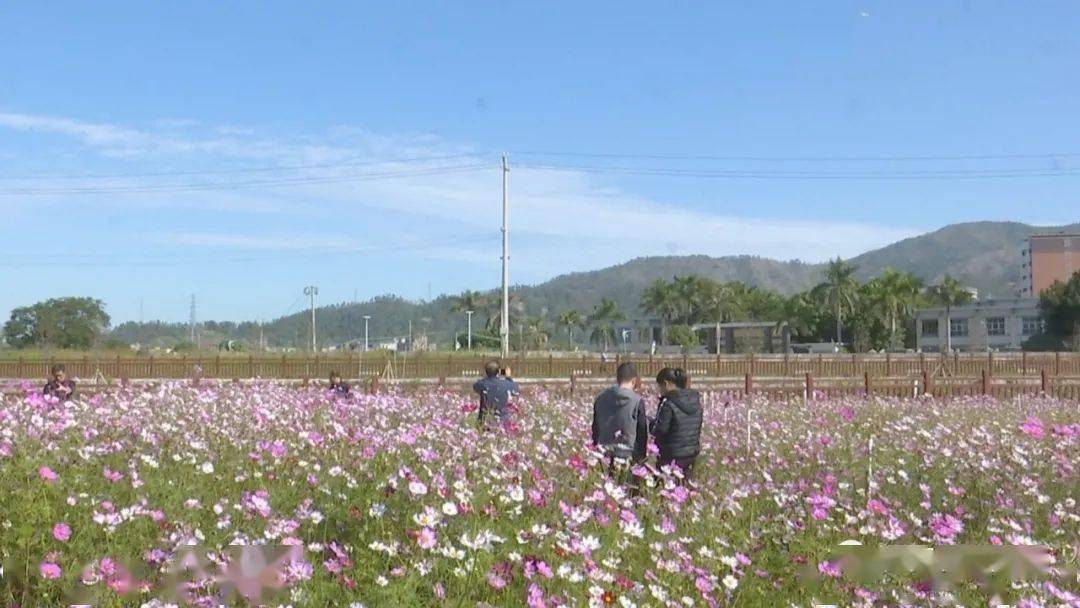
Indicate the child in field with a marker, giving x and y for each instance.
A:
(340, 388)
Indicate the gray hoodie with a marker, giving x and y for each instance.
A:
(618, 418)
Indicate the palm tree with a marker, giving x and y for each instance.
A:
(896, 293)
(948, 293)
(569, 320)
(691, 294)
(517, 311)
(723, 303)
(800, 314)
(660, 299)
(473, 300)
(839, 291)
(537, 333)
(602, 319)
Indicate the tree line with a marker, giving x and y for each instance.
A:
(876, 314)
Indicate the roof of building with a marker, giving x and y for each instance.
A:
(997, 303)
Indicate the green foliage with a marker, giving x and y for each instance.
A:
(602, 320)
(74, 323)
(1060, 308)
(684, 337)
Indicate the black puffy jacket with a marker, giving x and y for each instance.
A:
(677, 427)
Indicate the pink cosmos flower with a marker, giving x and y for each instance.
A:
(427, 539)
(61, 532)
(1034, 427)
(946, 528)
(48, 474)
(829, 569)
(50, 570)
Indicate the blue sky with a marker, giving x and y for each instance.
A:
(149, 151)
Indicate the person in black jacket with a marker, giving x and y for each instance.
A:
(677, 427)
(338, 386)
(59, 385)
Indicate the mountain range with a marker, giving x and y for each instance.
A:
(983, 255)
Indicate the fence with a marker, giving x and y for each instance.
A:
(433, 366)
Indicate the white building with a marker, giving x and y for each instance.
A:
(983, 325)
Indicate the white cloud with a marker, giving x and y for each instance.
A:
(560, 220)
(275, 242)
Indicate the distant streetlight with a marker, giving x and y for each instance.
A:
(366, 342)
(469, 313)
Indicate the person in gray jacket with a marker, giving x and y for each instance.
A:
(620, 427)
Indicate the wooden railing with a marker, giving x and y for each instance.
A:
(435, 366)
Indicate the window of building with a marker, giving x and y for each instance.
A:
(930, 328)
(995, 326)
(1031, 326)
(958, 328)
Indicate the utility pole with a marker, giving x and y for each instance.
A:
(192, 321)
(262, 341)
(141, 319)
(469, 314)
(312, 291)
(366, 341)
(504, 329)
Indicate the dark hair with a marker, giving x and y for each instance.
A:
(674, 375)
(626, 372)
(492, 369)
(335, 375)
(56, 369)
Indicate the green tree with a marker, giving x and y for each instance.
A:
(660, 300)
(1059, 305)
(839, 291)
(801, 315)
(724, 303)
(895, 295)
(472, 300)
(684, 337)
(60, 323)
(570, 320)
(949, 293)
(603, 320)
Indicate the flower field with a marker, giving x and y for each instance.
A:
(398, 500)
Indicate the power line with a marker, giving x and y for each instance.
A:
(301, 181)
(829, 159)
(126, 259)
(240, 170)
(802, 175)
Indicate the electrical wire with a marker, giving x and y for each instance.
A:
(800, 175)
(779, 159)
(128, 259)
(303, 181)
(337, 165)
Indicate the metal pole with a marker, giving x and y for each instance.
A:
(312, 291)
(504, 329)
(469, 314)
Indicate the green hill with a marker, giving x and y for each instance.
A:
(984, 255)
